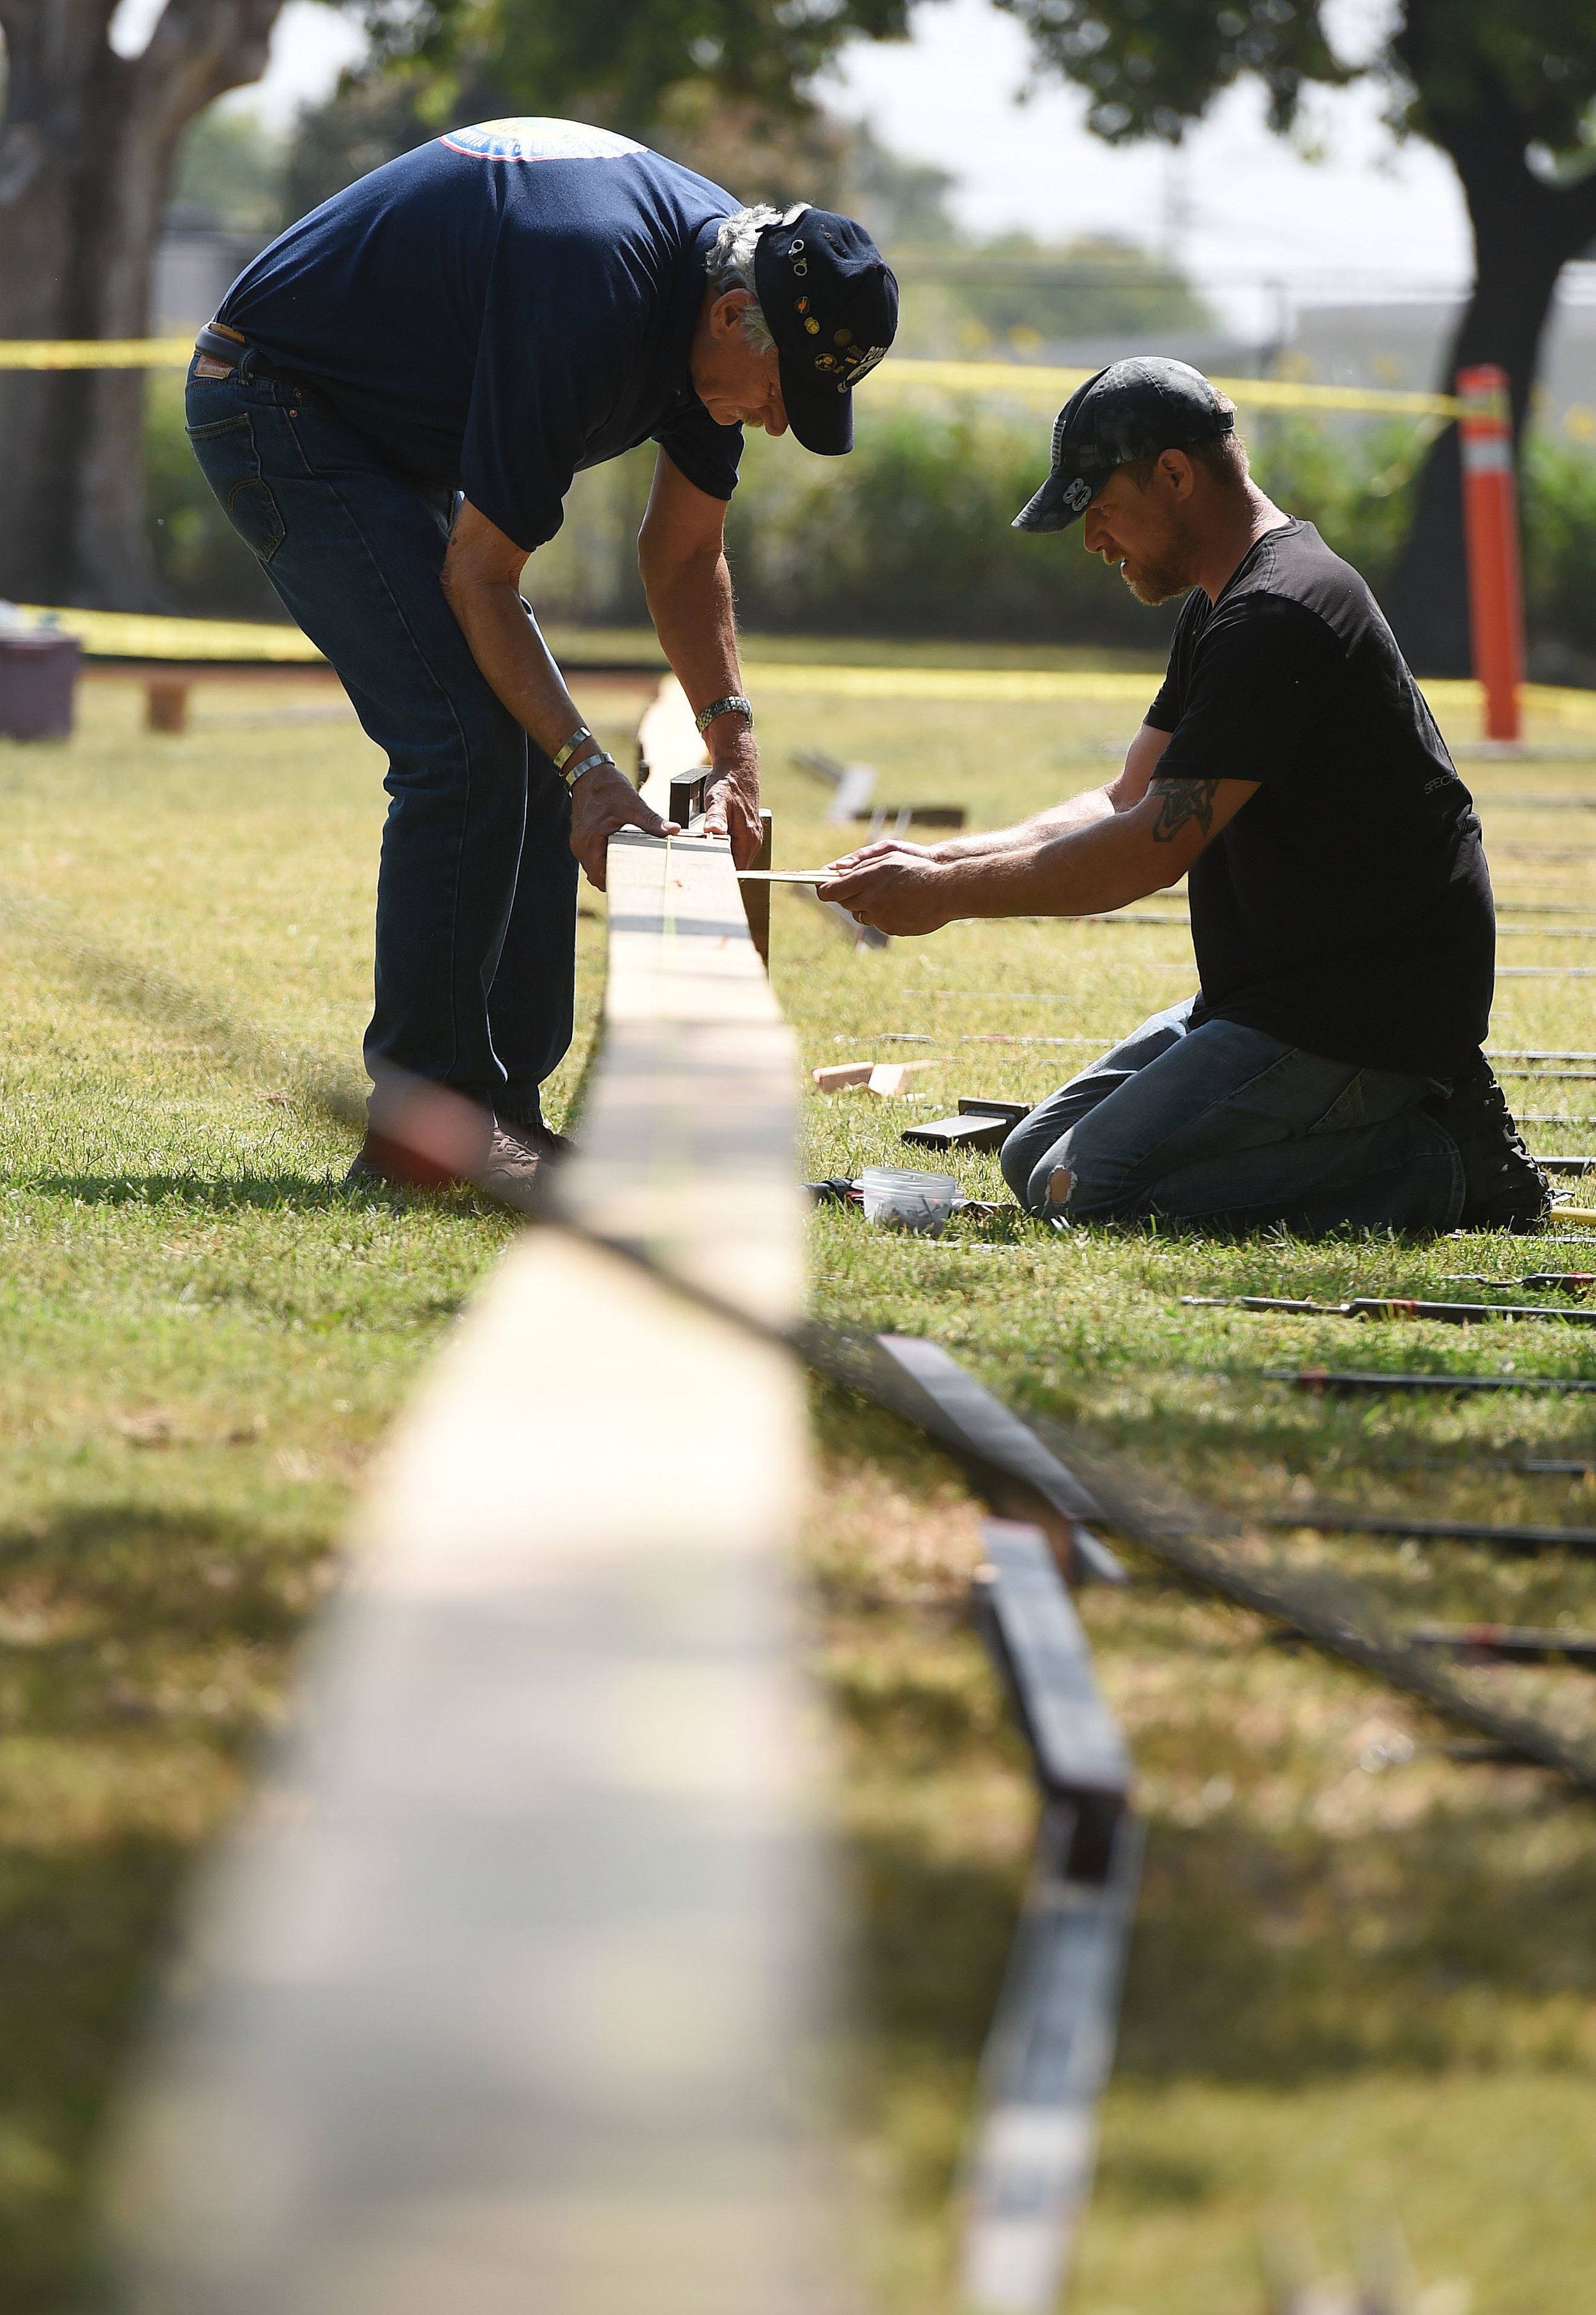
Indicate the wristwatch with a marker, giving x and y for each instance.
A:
(735, 706)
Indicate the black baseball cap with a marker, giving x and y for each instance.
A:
(830, 301)
(1131, 410)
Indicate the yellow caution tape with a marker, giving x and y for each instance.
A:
(96, 353)
(1011, 687)
(1451, 699)
(137, 635)
(1030, 380)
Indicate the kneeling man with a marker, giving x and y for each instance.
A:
(1328, 1072)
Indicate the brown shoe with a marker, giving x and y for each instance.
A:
(382, 1163)
(507, 1170)
(539, 1139)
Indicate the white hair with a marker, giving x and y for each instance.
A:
(730, 265)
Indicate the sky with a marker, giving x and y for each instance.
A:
(1239, 207)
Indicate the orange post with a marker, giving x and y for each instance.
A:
(1491, 526)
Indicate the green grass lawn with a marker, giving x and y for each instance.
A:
(1360, 1992)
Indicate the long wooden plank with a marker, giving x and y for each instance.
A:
(495, 2002)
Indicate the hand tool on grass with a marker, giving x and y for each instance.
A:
(1508, 1642)
(1347, 1385)
(980, 1124)
(1437, 1530)
(1564, 1282)
(1391, 1305)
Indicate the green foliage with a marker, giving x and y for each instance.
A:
(1150, 69)
(1355, 485)
(228, 173)
(614, 60)
(1465, 59)
(1014, 292)
(1559, 510)
(370, 118)
(912, 534)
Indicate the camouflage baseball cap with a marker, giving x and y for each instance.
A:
(1131, 410)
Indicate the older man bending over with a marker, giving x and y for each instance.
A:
(1329, 1072)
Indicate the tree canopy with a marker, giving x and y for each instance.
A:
(615, 60)
(1506, 91)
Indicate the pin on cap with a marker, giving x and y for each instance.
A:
(830, 301)
(1131, 410)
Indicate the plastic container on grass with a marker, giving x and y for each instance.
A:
(38, 676)
(898, 1197)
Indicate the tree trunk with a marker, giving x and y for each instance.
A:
(1525, 231)
(86, 159)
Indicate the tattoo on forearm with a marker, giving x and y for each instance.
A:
(1180, 801)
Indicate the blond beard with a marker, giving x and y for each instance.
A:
(1159, 583)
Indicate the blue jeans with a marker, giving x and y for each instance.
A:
(1229, 1127)
(476, 887)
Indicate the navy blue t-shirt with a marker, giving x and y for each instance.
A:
(1347, 907)
(500, 308)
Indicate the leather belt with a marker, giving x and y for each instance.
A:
(221, 350)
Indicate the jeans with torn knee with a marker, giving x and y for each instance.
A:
(1229, 1127)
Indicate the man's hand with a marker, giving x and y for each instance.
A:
(731, 806)
(601, 801)
(897, 887)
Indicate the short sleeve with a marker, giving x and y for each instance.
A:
(1164, 713)
(708, 454)
(1258, 684)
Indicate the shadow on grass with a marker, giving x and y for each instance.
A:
(82, 1933)
(296, 1193)
(1418, 1952)
(141, 1656)
(122, 1586)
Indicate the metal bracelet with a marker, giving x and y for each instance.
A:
(563, 755)
(600, 757)
(736, 706)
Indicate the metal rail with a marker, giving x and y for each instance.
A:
(1029, 2162)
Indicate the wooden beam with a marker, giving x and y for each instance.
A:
(494, 2002)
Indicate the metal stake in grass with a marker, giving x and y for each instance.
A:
(1392, 1306)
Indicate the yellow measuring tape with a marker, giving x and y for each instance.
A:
(1030, 381)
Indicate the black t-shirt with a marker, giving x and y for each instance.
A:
(1347, 907)
(500, 308)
